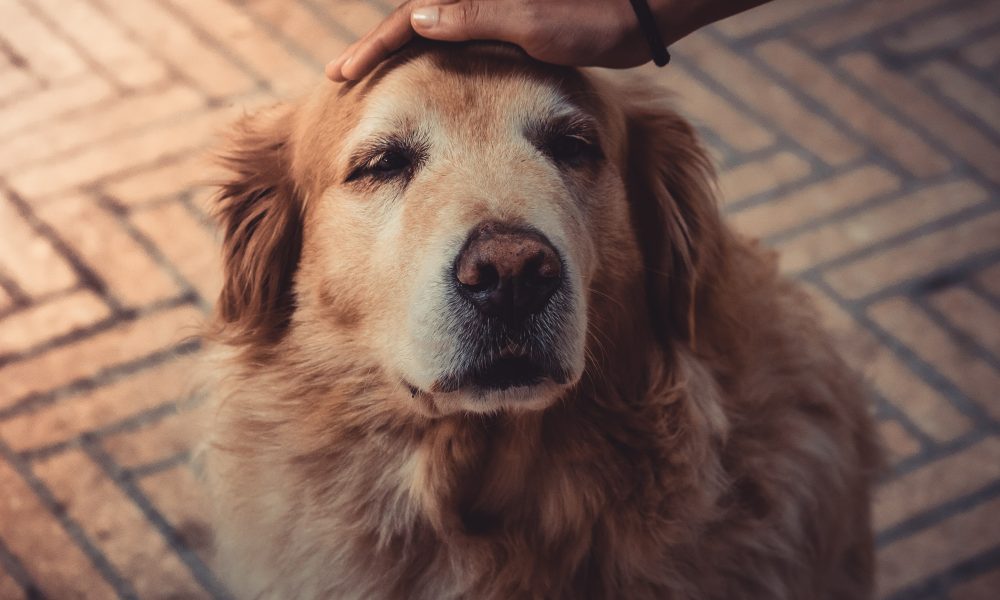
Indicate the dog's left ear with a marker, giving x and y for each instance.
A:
(671, 187)
(260, 212)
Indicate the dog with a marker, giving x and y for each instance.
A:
(484, 334)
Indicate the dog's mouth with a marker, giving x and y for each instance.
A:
(500, 374)
(508, 372)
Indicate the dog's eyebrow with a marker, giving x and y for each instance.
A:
(571, 121)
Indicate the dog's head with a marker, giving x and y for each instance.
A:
(467, 222)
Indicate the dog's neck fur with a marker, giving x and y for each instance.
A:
(398, 482)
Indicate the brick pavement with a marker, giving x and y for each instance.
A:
(861, 139)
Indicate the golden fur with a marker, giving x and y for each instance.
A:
(714, 446)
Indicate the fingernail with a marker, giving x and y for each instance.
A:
(425, 17)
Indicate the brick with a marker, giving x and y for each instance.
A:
(911, 560)
(965, 91)
(175, 42)
(942, 29)
(131, 274)
(972, 315)
(118, 527)
(358, 16)
(983, 587)
(936, 483)
(759, 176)
(970, 374)
(9, 589)
(6, 302)
(297, 23)
(989, 279)
(817, 200)
(879, 223)
(168, 179)
(159, 440)
(182, 500)
(126, 62)
(237, 32)
(125, 115)
(735, 127)
(27, 257)
(46, 52)
(984, 53)
(769, 99)
(861, 19)
(145, 147)
(815, 79)
(50, 319)
(897, 442)
(925, 254)
(189, 245)
(87, 358)
(51, 102)
(773, 14)
(51, 558)
(886, 373)
(15, 81)
(102, 407)
(964, 140)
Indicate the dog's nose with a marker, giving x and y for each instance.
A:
(507, 271)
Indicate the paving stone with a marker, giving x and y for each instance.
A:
(122, 59)
(189, 245)
(972, 315)
(58, 136)
(957, 538)
(9, 589)
(761, 176)
(892, 218)
(132, 274)
(938, 482)
(49, 555)
(181, 498)
(897, 442)
(901, 144)
(770, 99)
(118, 527)
(983, 587)
(112, 403)
(969, 372)
(925, 254)
(816, 201)
(164, 439)
(53, 318)
(28, 257)
(964, 139)
(86, 358)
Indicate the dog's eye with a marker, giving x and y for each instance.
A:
(390, 162)
(385, 165)
(570, 149)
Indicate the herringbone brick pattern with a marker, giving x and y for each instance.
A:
(861, 139)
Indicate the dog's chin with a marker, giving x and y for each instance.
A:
(507, 384)
(475, 398)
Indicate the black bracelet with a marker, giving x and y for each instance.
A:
(651, 32)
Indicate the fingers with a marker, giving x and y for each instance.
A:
(388, 36)
(468, 20)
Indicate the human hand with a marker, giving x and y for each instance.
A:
(566, 32)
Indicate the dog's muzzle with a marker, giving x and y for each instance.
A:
(510, 291)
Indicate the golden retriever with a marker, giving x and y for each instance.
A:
(484, 334)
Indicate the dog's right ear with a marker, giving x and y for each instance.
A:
(260, 213)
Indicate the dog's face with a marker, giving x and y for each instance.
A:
(447, 221)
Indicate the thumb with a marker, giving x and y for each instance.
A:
(461, 21)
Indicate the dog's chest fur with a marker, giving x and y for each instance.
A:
(558, 504)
